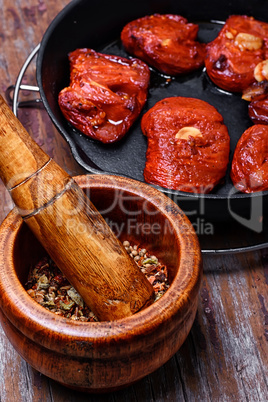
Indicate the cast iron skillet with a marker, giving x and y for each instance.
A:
(97, 25)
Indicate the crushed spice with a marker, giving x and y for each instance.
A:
(50, 288)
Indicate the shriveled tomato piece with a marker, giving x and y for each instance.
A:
(257, 95)
(250, 161)
(166, 42)
(256, 91)
(188, 145)
(258, 111)
(232, 57)
(106, 94)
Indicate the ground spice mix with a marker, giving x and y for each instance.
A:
(51, 289)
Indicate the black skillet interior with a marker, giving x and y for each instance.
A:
(98, 25)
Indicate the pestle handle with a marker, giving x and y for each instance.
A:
(68, 226)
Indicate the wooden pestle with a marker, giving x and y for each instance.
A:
(68, 226)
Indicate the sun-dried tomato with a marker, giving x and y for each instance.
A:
(258, 111)
(250, 161)
(166, 42)
(232, 57)
(105, 95)
(188, 145)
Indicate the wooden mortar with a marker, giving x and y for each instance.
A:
(105, 356)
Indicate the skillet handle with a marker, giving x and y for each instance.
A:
(18, 86)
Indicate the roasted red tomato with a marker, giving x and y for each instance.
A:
(258, 111)
(257, 95)
(256, 91)
(250, 161)
(232, 57)
(188, 145)
(166, 42)
(106, 94)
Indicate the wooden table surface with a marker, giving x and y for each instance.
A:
(225, 357)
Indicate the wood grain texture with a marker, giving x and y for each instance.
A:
(21, 157)
(225, 356)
